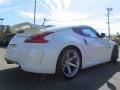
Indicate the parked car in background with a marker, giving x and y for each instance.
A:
(63, 50)
(116, 38)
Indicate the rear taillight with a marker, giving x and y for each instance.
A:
(38, 38)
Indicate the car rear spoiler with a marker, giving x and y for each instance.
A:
(26, 26)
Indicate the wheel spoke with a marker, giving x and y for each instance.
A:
(73, 65)
(68, 54)
(74, 57)
(69, 69)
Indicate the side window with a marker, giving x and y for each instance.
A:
(88, 33)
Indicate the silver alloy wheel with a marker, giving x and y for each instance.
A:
(70, 63)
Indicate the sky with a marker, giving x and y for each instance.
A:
(63, 12)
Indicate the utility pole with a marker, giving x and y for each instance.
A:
(34, 11)
(44, 22)
(108, 15)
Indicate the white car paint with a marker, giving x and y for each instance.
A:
(42, 58)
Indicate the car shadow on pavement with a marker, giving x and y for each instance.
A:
(3, 46)
(89, 79)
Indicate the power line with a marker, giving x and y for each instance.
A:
(117, 18)
(78, 19)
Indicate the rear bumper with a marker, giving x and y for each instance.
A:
(31, 67)
(9, 61)
(36, 60)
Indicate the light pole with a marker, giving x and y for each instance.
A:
(34, 11)
(1, 21)
(108, 15)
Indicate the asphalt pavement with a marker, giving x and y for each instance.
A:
(101, 77)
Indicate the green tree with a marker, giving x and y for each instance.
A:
(117, 35)
(7, 30)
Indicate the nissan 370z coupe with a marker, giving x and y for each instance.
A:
(63, 50)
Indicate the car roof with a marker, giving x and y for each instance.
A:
(65, 27)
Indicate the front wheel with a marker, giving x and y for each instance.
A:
(69, 62)
(114, 55)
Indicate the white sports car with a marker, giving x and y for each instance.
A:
(63, 50)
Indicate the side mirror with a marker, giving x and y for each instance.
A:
(102, 35)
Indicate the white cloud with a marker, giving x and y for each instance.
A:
(60, 13)
(70, 18)
(49, 4)
(8, 9)
(67, 3)
(57, 16)
(31, 15)
(56, 5)
(5, 2)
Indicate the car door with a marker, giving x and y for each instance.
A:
(97, 48)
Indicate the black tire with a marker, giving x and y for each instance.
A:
(114, 55)
(62, 59)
